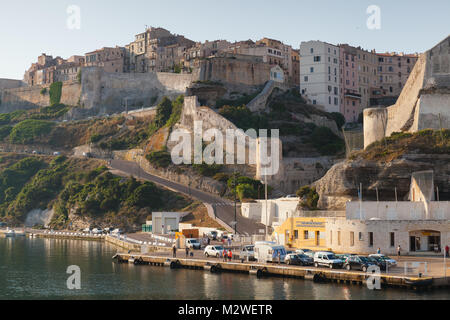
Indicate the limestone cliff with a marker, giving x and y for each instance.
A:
(341, 182)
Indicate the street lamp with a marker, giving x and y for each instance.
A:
(235, 208)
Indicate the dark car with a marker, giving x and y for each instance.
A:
(299, 260)
(358, 263)
(380, 262)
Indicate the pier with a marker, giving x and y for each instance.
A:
(274, 270)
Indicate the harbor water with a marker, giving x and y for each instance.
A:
(35, 268)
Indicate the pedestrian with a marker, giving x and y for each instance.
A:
(229, 242)
(446, 251)
(187, 252)
(174, 250)
(225, 254)
(209, 241)
(398, 251)
(378, 251)
(230, 255)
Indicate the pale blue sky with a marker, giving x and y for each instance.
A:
(29, 28)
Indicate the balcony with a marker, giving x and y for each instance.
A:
(349, 94)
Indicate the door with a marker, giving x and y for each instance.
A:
(317, 238)
(418, 243)
(412, 244)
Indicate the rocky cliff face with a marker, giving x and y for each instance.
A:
(341, 182)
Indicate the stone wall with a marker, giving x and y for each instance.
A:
(111, 92)
(424, 102)
(11, 83)
(101, 92)
(235, 70)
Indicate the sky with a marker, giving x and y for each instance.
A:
(29, 28)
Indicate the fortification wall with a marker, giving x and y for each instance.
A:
(235, 71)
(424, 102)
(31, 97)
(11, 83)
(101, 92)
(111, 92)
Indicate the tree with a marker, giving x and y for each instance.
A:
(338, 118)
(309, 197)
(163, 112)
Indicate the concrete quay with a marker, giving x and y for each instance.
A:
(273, 270)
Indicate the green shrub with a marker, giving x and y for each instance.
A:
(163, 112)
(26, 131)
(338, 118)
(160, 159)
(43, 91)
(55, 92)
(309, 197)
(246, 191)
(5, 131)
(222, 177)
(207, 170)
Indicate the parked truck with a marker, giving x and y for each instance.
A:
(268, 251)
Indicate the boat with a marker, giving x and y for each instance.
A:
(20, 233)
(419, 282)
(10, 233)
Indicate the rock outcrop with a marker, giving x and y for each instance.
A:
(341, 183)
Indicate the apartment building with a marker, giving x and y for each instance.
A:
(366, 78)
(156, 50)
(393, 70)
(48, 70)
(320, 74)
(110, 59)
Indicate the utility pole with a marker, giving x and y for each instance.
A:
(396, 200)
(378, 199)
(235, 205)
(265, 185)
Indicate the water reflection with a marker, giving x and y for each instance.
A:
(36, 269)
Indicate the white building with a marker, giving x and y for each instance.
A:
(319, 74)
(278, 210)
(165, 222)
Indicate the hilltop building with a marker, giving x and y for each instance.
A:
(362, 78)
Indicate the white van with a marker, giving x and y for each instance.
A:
(193, 244)
(327, 259)
(267, 251)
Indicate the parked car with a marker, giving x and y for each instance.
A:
(380, 262)
(298, 259)
(223, 237)
(247, 252)
(358, 263)
(117, 231)
(56, 153)
(87, 230)
(3, 225)
(310, 254)
(392, 262)
(291, 196)
(212, 235)
(214, 251)
(303, 251)
(344, 256)
(97, 231)
(108, 230)
(193, 244)
(327, 259)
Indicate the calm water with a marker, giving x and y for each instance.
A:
(36, 269)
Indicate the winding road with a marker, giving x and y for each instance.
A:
(223, 208)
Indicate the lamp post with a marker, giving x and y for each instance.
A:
(235, 205)
(265, 186)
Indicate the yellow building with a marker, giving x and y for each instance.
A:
(302, 233)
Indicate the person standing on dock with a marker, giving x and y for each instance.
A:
(446, 251)
(398, 251)
(224, 255)
(379, 251)
(187, 252)
(230, 255)
(174, 250)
